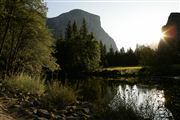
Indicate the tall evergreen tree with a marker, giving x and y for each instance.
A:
(83, 29)
(103, 54)
(74, 28)
(68, 32)
(81, 52)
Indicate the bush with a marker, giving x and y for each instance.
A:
(59, 96)
(26, 84)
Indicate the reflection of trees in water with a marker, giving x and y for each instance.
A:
(146, 102)
(172, 94)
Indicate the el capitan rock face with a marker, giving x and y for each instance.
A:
(58, 25)
(169, 46)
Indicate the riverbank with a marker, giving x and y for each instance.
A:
(22, 102)
(137, 71)
(56, 105)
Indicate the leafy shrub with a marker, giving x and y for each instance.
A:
(59, 96)
(26, 84)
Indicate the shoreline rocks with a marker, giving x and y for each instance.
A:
(29, 107)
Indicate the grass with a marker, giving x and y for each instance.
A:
(58, 95)
(120, 71)
(26, 84)
(124, 68)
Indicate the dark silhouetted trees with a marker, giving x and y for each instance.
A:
(121, 58)
(146, 56)
(79, 51)
(143, 55)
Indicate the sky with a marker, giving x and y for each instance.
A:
(128, 22)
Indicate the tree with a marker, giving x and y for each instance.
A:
(68, 33)
(80, 52)
(25, 43)
(110, 57)
(103, 54)
(83, 29)
(146, 55)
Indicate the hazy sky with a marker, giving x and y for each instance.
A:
(128, 22)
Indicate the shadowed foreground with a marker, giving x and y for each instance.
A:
(4, 115)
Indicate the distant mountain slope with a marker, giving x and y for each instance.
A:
(58, 24)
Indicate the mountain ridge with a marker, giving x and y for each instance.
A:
(58, 25)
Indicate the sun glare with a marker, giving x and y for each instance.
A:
(162, 35)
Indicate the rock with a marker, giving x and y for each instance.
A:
(41, 118)
(86, 110)
(62, 112)
(62, 115)
(72, 118)
(16, 106)
(75, 114)
(71, 107)
(43, 113)
(58, 117)
(86, 104)
(34, 110)
(87, 116)
(77, 102)
(27, 112)
(52, 115)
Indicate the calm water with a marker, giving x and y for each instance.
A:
(157, 100)
(148, 102)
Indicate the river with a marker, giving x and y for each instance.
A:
(155, 100)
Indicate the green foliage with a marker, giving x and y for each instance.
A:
(59, 96)
(79, 52)
(26, 84)
(146, 55)
(25, 42)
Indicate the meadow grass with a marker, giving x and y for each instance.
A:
(124, 68)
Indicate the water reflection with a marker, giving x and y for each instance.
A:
(147, 102)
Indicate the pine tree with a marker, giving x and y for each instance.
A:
(81, 52)
(103, 54)
(74, 28)
(68, 32)
(83, 29)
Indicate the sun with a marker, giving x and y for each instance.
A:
(162, 35)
